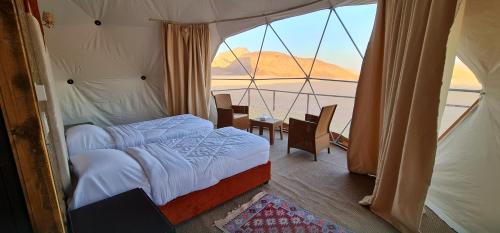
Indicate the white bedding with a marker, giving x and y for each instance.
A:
(170, 168)
(104, 173)
(83, 138)
(176, 167)
(140, 133)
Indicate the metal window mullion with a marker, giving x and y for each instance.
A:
(260, 52)
(244, 93)
(316, 56)
(262, 97)
(319, 43)
(274, 100)
(295, 100)
(348, 34)
(314, 93)
(258, 79)
(300, 66)
(307, 105)
(288, 50)
(237, 59)
(255, 72)
(360, 54)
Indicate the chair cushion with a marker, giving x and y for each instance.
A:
(239, 115)
(241, 121)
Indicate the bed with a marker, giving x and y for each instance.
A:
(86, 137)
(184, 176)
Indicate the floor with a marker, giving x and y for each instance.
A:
(325, 188)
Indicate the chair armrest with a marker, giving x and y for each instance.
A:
(312, 118)
(224, 117)
(240, 109)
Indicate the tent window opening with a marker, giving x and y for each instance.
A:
(464, 91)
(295, 66)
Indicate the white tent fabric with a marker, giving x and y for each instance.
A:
(107, 56)
(40, 63)
(106, 61)
(465, 184)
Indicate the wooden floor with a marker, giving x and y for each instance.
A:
(324, 187)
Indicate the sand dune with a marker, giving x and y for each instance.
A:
(275, 64)
(281, 65)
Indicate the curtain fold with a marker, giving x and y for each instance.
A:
(394, 127)
(187, 69)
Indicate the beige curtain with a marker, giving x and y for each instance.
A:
(394, 128)
(187, 69)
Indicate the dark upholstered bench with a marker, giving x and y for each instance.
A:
(128, 212)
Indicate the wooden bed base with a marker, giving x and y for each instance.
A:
(186, 207)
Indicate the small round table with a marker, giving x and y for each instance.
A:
(271, 124)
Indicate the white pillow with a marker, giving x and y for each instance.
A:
(104, 173)
(83, 138)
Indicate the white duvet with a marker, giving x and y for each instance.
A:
(169, 168)
(140, 133)
(83, 138)
(176, 167)
(104, 173)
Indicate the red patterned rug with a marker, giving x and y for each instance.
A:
(268, 213)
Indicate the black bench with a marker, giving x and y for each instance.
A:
(128, 212)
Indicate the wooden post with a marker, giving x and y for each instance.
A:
(459, 120)
(20, 109)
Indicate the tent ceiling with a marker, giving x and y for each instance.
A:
(139, 13)
(195, 11)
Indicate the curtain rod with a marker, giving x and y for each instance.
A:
(243, 18)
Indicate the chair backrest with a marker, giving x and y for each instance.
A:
(223, 101)
(325, 118)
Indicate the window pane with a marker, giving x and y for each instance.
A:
(458, 101)
(280, 86)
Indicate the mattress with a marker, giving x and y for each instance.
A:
(169, 168)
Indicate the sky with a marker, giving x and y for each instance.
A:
(302, 34)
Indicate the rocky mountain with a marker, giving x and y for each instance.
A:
(275, 64)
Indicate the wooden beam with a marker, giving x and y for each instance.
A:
(459, 120)
(18, 101)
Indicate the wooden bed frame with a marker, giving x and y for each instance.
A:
(186, 207)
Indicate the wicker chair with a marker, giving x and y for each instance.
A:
(229, 114)
(313, 134)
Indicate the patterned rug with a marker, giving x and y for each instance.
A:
(268, 213)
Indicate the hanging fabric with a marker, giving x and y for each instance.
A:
(187, 68)
(464, 186)
(394, 128)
